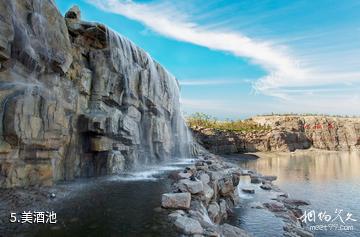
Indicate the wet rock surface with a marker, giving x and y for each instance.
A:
(232, 231)
(222, 177)
(176, 200)
(248, 190)
(282, 206)
(289, 211)
(210, 209)
(188, 225)
(78, 100)
(212, 184)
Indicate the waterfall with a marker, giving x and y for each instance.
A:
(80, 100)
(159, 87)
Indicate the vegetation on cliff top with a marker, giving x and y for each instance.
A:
(309, 114)
(200, 120)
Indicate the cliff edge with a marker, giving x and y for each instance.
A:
(285, 133)
(77, 99)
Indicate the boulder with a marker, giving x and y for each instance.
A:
(223, 209)
(248, 190)
(266, 186)
(236, 178)
(255, 179)
(205, 178)
(269, 177)
(296, 202)
(226, 186)
(208, 193)
(175, 214)
(183, 175)
(188, 226)
(293, 230)
(193, 187)
(233, 231)
(214, 212)
(275, 206)
(176, 200)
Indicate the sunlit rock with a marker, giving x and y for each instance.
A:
(194, 187)
(188, 226)
(176, 200)
(79, 100)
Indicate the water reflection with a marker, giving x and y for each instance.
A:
(329, 180)
(315, 166)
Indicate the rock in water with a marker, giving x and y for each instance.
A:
(255, 179)
(266, 186)
(176, 200)
(78, 100)
(187, 185)
(248, 190)
(188, 226)
(269, 177)
(296, 202)
(275, 206)
(233, 231)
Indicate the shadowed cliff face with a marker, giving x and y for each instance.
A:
(78, 100)
(286, 133)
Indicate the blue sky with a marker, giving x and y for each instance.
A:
(236, 59)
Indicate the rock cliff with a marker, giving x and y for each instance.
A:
(286, 133)
(78, 100)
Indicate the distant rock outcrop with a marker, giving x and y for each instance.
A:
(287, 133)
(78, 100)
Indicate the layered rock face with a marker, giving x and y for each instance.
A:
(287, 133)
(78, 100)
(320, 132)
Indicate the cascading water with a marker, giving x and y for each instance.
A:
(79, 100)
(156, 87)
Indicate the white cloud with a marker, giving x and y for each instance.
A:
(169, 22)
(314, 64)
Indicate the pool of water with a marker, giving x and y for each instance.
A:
(124, 205)
(329, 180)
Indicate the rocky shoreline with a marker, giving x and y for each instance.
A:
(202, 198)
(205, 194)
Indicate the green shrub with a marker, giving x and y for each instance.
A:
(201, 120)
(311, 114)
